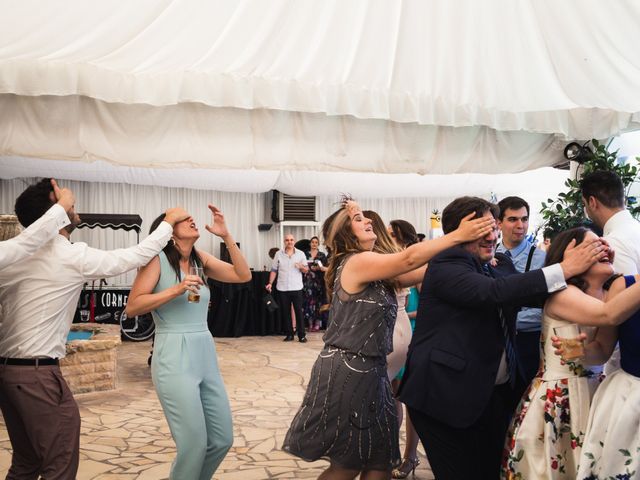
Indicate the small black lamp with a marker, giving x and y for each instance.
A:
(577, 153)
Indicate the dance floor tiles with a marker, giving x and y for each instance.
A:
(124, 434)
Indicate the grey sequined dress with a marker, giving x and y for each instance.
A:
(348, 414)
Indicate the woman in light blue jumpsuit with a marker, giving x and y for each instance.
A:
(185, 368)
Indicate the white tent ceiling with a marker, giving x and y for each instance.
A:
(422, 86)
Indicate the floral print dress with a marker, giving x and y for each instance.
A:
(314, 295)
(611, 449)
(548, 427)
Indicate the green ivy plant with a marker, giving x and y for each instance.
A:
(567, 210)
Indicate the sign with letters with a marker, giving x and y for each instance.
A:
(109, 303)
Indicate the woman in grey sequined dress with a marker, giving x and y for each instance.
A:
(348, 415)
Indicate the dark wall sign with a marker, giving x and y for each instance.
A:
(109, 303)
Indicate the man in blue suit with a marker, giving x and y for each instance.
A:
(462, 366)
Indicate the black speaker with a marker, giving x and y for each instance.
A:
(224, 252)
(276, 214)
(265, 227)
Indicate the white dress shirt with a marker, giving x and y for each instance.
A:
(622, 231)
(39, 294)
(289, 276)
(554, 277)
(34, 236)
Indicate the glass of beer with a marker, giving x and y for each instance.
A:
(194, 296)
(572, 345)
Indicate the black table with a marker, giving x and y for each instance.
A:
(237, 309)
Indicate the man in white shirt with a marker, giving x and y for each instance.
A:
(604, 202)
(40, 231)
(39, 295)
(289, 264)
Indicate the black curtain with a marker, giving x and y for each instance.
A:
(238, 309)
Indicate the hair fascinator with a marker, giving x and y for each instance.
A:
(349, 204)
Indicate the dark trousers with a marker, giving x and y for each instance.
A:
(528, 345)
(285, 300)
(43, 422)
(474, 452)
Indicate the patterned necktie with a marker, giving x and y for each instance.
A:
(509, 350)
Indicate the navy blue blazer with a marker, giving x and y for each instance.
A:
(458, 341)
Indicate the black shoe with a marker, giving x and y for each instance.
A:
(288, 338)
(303, 340)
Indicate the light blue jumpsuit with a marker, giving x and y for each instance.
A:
(186, 376)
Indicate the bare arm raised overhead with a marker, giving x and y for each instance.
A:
(368, 266)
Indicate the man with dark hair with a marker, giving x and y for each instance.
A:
(461, 368)
(40, 229)
(513, 222)
(604, 202)
(38, 296)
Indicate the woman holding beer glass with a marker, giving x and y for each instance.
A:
(184, 367)
(548, 427)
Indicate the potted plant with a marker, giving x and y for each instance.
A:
(567, 210)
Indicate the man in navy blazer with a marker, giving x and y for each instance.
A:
(457, 384)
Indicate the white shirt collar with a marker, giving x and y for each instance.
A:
(616, 221)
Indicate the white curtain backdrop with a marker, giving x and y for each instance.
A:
(243, 212)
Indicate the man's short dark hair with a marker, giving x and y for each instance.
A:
(606, 186)
(513, 203)
(463, 206)
(34, 202)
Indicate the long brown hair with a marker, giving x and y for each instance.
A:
(341, 242)
(404, 232)
(172, 253)
(555, 254)
(384, 242)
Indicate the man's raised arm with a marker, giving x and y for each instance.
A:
(40, 231)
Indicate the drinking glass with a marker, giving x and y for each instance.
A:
(572, 345)
(194, 296)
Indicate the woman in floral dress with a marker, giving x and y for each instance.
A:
(611, 449)
(314, 291)
(546, 434)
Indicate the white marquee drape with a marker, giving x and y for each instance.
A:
(422, 86)
(569, 67)
(197, 136)
(292, 182)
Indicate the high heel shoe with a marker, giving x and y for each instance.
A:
(407, 466)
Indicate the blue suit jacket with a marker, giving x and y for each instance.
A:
(458, 341)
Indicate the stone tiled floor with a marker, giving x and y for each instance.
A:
(125, 436)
